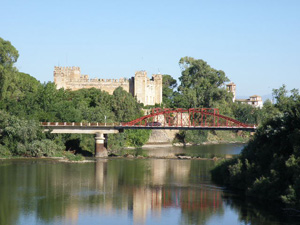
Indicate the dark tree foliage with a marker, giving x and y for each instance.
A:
(269, 166)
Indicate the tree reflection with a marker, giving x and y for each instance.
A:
(55, 192)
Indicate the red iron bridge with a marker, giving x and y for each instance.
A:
(178, 119)
(172, 119)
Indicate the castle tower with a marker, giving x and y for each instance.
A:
(157, 78)
(231, 87)
(63, 75)
(140, 86)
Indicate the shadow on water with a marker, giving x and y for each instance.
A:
(255, 212)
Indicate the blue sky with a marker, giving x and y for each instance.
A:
(256, 43)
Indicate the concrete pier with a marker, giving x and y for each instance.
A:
(101, 145)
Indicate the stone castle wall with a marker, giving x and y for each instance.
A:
(147, 91)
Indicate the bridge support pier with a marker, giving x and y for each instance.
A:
(101, 145)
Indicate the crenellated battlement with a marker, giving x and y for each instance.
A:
(67, 70)
(157, 77)
(141, 73)
(147, 91)
(109, 81)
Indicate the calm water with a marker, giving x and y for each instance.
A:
(125, 191)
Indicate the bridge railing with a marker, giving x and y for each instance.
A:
(206, 125)
(212, 125)
(78, 124)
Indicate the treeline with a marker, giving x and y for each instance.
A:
(269, 166)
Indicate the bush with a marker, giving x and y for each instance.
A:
(21, 137)
(71, 157)
(4, 152)
(44, 147)
(137, 138)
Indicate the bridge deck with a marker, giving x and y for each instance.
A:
(59, 127)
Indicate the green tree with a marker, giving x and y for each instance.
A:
(169, 83)
(8, 53)
(246, 113)
(137, 138)
(23, 91)
(8, 56)
(269, 111)
(125, 106)
(201, 85)
(283, 101)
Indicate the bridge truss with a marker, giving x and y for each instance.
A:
(198, 118)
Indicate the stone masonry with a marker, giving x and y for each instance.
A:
(147, 91)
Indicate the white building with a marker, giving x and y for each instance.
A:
(254, 100)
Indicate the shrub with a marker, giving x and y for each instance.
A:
(71, 157)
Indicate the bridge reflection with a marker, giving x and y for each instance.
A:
(162, 185)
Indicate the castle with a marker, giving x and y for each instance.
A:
(147, 91)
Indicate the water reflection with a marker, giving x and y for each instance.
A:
(120, 191)
(203, 151)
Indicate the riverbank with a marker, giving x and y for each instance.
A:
(128, 156)
(64, 160)
(199, 152)
(168, 138)
(167, 145)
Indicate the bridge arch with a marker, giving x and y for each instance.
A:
(193, 117)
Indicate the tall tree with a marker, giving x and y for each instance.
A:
(169, 83)
(201, 85)
(8, 56)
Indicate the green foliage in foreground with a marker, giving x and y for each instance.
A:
(269, 166)
(20, 137)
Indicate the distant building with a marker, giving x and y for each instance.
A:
(147, 91)
(231, 87)
(254, 100)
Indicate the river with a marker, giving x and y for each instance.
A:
(127, 191)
